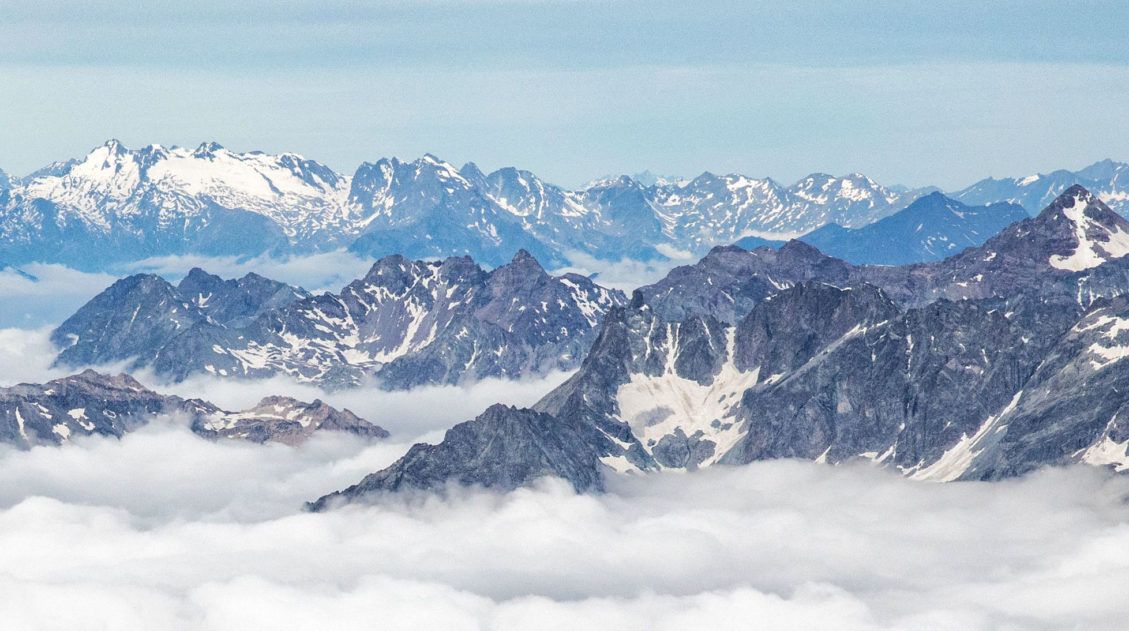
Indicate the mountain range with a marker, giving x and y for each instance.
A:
(984, 365)
(406, 323)
(95, 404)
(117, 204)
(1107, 179)
(931, 228)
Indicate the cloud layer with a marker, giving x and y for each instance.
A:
(163, 530)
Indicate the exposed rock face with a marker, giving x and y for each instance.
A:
(284, 420)
(90, 403)
(1076, 247)
(84, 404)
(1027, 371)
(729, 280)
(137, 317)
(503, 448)
(930, 229)
(427, 208)
(235, 303)
(406, 322)
(118, 204)
(1072, 409)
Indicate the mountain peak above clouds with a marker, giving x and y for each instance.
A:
(406, 322)
(117, 204)
(1099, 234)
(90, 403)
(963, 368)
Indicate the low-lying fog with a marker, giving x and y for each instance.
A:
(164, 530)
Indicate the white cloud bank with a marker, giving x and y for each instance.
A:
(163, 530)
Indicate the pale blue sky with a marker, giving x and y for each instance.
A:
(906, 92)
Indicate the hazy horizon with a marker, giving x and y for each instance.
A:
(927, 95)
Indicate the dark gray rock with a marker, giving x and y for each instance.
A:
(94, 404)
(406, 322)
(284, 420)
(88, 403)
(236, 302)
(1026, 371)
(729, 280)
(1034, 256)
(502, 449)
(138, 317)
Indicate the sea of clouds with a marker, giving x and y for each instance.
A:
(165, 530)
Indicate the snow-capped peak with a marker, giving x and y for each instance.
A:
(112, 182)
(1101, 235)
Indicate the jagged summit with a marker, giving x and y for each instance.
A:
(117, 204)
(406, 322)
(960, 369)
(90, 403)
(1075, 232)
(207, 149)
(930, 229)
(1107, 179)
(524, 259)
(1100, 234)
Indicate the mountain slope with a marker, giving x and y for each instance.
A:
(1074, 248)
(930, 229)
(1023, 372)
(136, 316)
(427, 209)
(814, 372)
(116, 204)
(1108, 180)
(90, 403)
(503, 448)
(406, 322)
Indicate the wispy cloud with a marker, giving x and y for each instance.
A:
(626, 274)
(57, 291)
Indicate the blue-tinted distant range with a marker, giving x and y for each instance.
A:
(117, 205)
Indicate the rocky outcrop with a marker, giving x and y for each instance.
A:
(1025, 371)
(407, 323)
(503, 448)
(94, 404)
